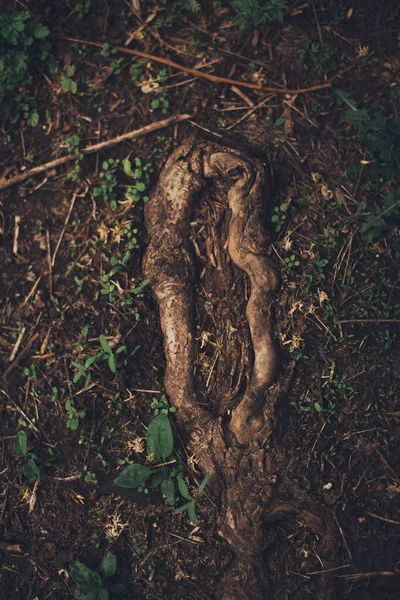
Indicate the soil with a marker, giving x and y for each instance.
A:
(335, 317)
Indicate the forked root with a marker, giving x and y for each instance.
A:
(169, 266)
(235, 457)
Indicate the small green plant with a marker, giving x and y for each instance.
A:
(384, 215)
(137, 71)
(335, 392)
(89, 476)
(160, 445)
(139, 290)
(33, 464)
(82, 9)
(279, 216)
(22, 50)
(106, 50)
(319, 263)
(116, 65)
(72, 143)
(253, 13)
(141, 174)
(79, 285)
(74, 416)
(83, 339)
(107, 353)
(291, 261)
(140, 548)
(30, 372)
(94, 585)
(161, 405)
(112, 288)
(379, 135)
(106, 281)
(276, 123)
(108, 182)
(170, 12)
(312, 56)
(67, 83)
(308, 405)
(161, 101)
(298, 354)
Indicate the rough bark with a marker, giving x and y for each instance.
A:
(246, 471)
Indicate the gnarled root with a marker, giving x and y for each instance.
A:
(234, 455)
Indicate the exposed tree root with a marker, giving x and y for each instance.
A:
(245, 473)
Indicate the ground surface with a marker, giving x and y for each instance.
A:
(335, 316)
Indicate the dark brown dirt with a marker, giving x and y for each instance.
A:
(338, 425)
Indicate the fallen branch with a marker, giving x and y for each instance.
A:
(200, 74)
(131, 135)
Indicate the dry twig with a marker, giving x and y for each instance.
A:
(18, 358)
(357, 576)
(9, 547)
(385, 519)
(200, 74)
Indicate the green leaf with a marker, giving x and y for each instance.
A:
(40, 31)
(20, 443)
(33, 119)
(379, 219)
(183, 490)
(191, 509)
(192, 512)
(68, 85)
(78, 375)
(158, 475)
(168, 489)
(140, 186)
(108, 565)
(317, 407)
(203, 485)
(84, 577)
(111, 364)
(133, 476)
(343, 97)
(104, 344)
(126, 163)
(99, 593)
(90, 361)
(159, 437)
(182, 508)
(155, 103)
(31, 470)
